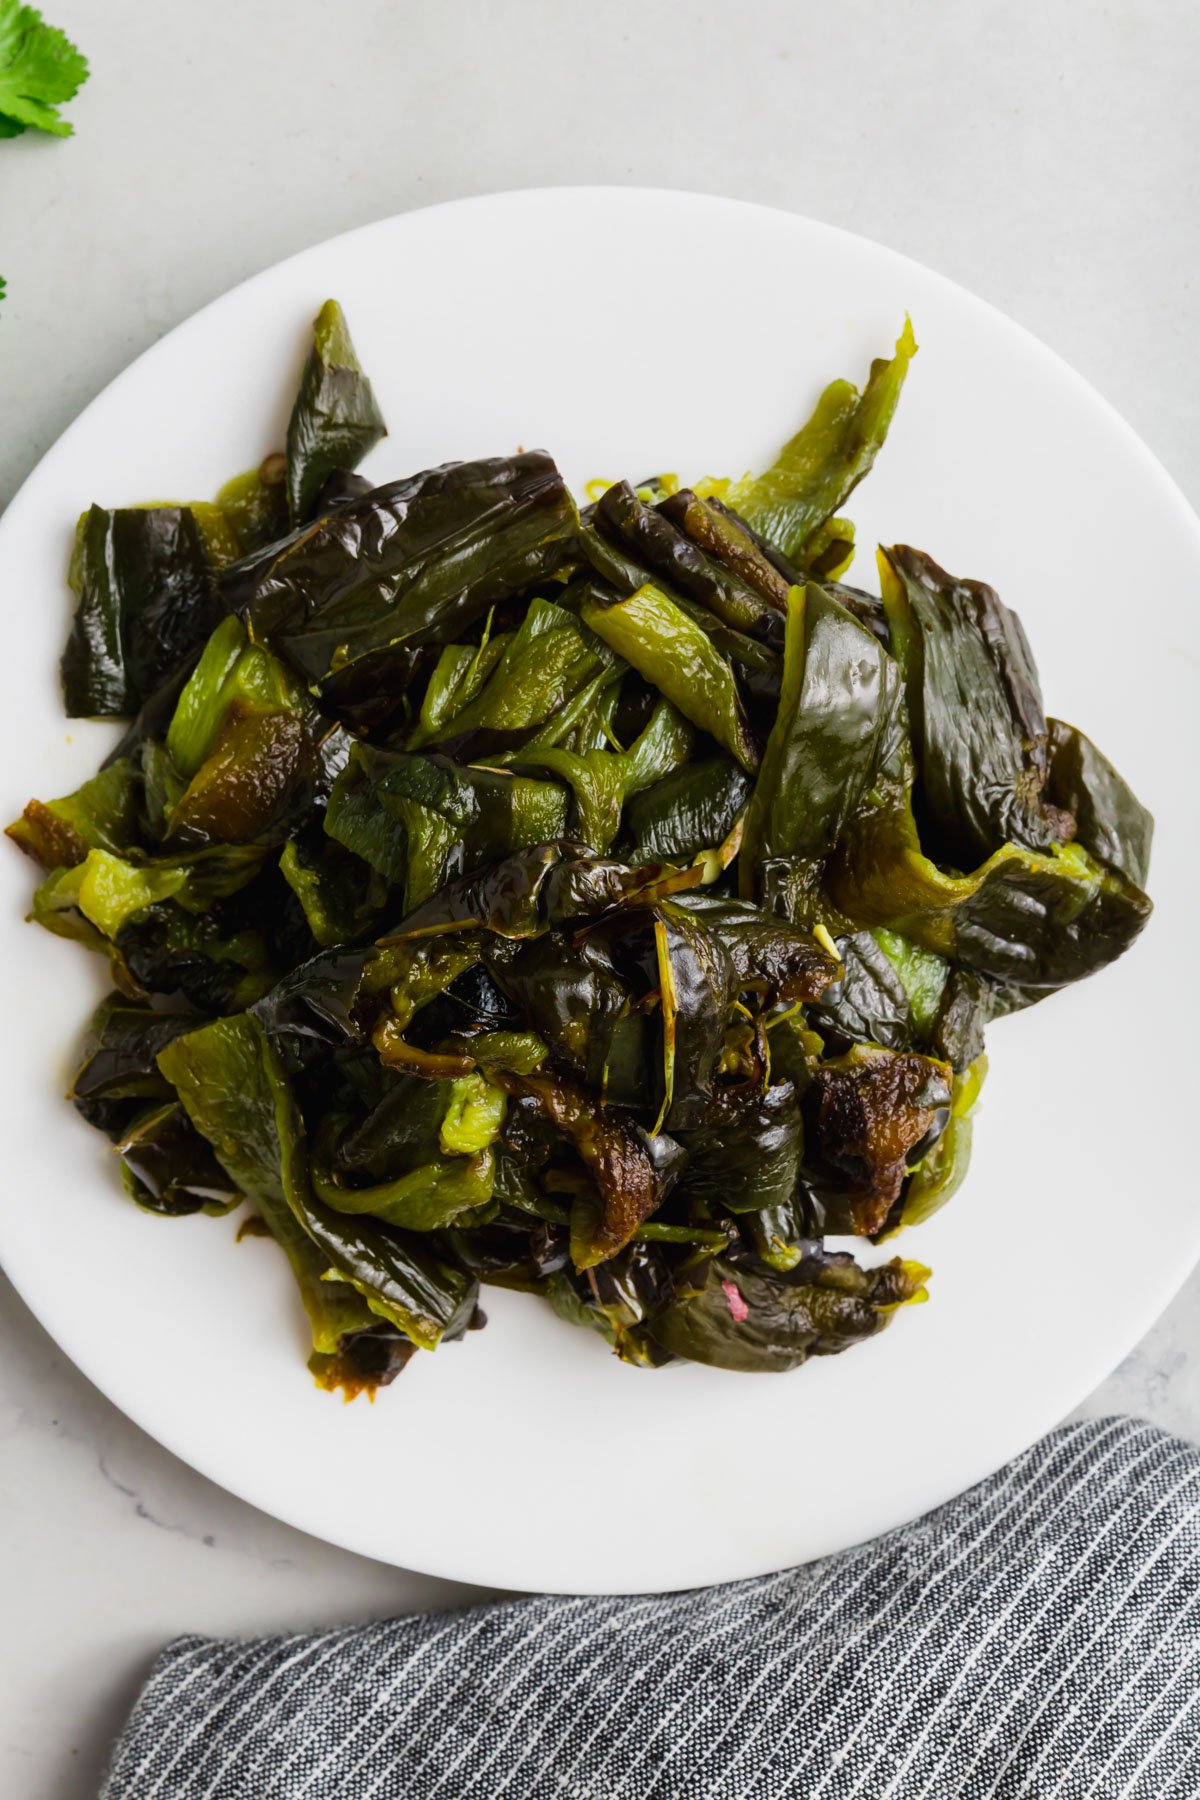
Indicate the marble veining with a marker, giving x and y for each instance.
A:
(143, 1512)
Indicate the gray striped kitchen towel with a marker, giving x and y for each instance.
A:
(1039, 1636)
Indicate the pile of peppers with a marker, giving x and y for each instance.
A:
(606, 902)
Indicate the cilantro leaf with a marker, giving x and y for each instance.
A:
(39, 69)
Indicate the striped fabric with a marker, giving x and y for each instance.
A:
(1039, 1636)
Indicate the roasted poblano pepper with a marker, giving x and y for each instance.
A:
(838, 724)
(822, 465)
(413, 563)
(669, 650)
(748, 1317)
(146, 593)
(607, 907)
(975, 711)
(335, 420)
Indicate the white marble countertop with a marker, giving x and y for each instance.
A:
(1046, 157)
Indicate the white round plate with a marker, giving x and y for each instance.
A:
(629, 331)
